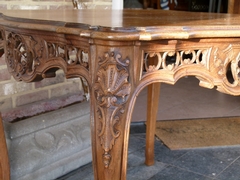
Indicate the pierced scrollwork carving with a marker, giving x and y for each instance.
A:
(171, 60)
(213, 66)
(26, 53)
(112, 89)
(20, 55)
(77, 56)
(226, 63)
(72, 55)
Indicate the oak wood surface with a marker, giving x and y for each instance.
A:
(140, 24)
(111, 49)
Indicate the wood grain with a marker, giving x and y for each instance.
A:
(4, 162)
(233, 6)
(127, 24)
(112, 49)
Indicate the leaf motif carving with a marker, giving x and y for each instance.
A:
(112, 89)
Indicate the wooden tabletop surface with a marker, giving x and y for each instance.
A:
(140, 24)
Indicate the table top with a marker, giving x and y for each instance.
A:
(126, 24)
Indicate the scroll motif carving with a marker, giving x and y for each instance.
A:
(213, 66)
(20, 58)
(221, 63)
(171, 60)
(72, 55)
(25, 53)
(226, 61)
(112, 89)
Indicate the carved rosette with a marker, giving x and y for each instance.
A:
(20, 56)
(112, 89)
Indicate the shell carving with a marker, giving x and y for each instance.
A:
(116, 82)
(112, 89)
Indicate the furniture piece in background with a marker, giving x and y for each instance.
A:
(151, 3)
(233, 6)
(213, 7)
(156, 4)
(111, 49)
(205, 5)
(188, 5)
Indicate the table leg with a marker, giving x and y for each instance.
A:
(152, 109)
(111, 109)
(4, 162)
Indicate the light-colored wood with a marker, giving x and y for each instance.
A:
(110, 49)
(177, 25)
(152, 109)
(4, 162)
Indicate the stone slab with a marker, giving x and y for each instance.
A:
(49, 145)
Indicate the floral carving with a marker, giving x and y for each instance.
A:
(112, 89)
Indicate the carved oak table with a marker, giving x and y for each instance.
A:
(119, 53)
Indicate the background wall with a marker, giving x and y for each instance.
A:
(52, 4)
(18, 99)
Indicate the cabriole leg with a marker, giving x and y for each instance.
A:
(110, 110)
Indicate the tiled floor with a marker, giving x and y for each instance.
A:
(182, 101)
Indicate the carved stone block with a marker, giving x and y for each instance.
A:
(49, 145)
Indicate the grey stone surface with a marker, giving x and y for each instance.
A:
(49, 145)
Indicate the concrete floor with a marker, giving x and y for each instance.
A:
(185, 100)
